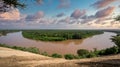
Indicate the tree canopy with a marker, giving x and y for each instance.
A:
(6, 5)
(117, 18)
(116, 40)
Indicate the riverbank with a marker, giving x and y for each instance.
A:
(16, 58)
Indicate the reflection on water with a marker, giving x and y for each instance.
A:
(63, 47)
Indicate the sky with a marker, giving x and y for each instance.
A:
(63, 14)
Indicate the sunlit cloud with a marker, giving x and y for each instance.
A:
(105, 12)
(103, 3)
(14, 14)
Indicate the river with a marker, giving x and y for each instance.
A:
(101, 41)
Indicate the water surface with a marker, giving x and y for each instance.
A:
(101, 41)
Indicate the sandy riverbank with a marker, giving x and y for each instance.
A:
(16, 58)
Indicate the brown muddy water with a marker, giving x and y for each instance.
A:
(101, 41)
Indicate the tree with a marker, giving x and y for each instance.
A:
(82, 52)
(6, 5)
(117, 18)
(116, 40)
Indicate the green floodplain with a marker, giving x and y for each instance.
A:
(59, 35)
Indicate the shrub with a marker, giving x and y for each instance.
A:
(33, 50)
(116, 40)
(96, 52)
(108, 51)
(69, 56)
(56, 55)
(45, 54)
(90, 55)
(101, 52)
(82, 52)
(112, 50)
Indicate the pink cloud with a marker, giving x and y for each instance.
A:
(35, 16)
(64, 4)
(105, 12)
(78, 13)
(103, 3)
(14, 14)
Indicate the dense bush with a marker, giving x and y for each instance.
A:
(56, 55)
(91, 54)
(116, 40)
(108, 51)
(69, 56)
(82, 52)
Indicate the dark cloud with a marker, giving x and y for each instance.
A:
(36, 16)
(78, 13)
(60, 15)
(64, 4)
(105, 12)
(103, 3)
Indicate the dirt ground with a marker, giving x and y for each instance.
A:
(16, 58)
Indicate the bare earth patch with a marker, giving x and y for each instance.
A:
(16, 58)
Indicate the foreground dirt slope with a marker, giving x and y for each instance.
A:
(16, 58)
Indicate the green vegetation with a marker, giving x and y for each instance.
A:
(116, 40)
(117, 18)
(56, 55)
(45, 54)
(5, 32)
(30, 49)
(82, 52)
(58, 35)
(108, 51)
(70, 56)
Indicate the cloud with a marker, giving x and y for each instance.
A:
(11, 15)
(39, 1)
(35, 16)
(105, 12)
(64, 4)
(119, 6)
(103, 3)
(60, 15)
(66, 20)
(78, 13)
